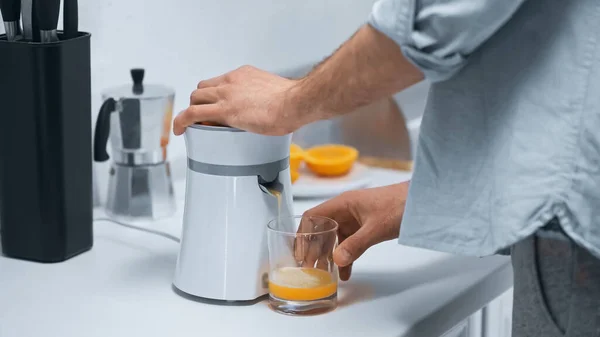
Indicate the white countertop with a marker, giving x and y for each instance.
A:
(122, 287)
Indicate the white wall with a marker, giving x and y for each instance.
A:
(180, 42)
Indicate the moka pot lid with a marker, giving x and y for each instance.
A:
(138, 89)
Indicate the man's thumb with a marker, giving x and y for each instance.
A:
(351, 248)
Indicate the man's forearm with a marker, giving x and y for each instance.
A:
(368, 67)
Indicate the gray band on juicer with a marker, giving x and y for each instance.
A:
(267, 171)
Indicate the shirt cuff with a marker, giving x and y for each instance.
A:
(396, 20)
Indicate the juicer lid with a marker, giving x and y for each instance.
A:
(223, 128)
(224, 146)
(138, 89)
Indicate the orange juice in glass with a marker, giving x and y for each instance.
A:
(303, 278)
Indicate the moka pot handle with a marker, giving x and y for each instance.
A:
(102, 130)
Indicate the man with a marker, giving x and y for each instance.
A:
(509, 153)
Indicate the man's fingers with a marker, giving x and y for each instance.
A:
(313, 250)
(314, 242)
(331, 209)
(301, 244)
(212, 82)
(325, 260)
(197, 113)
(353, 247)
(324, 264)
(204, 96)
(345, 272)
(306, 224)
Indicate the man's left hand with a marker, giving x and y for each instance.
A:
(366, 218)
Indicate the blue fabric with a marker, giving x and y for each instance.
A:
(510, 137)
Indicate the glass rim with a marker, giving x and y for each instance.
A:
(288, 233)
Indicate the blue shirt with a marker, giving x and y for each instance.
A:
(510, 137)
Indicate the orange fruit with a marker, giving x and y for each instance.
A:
(296, 157)
(295, 175)
(330, 160)
(301, 284)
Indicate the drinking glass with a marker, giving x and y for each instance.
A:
(303, 279)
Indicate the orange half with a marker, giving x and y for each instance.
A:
(295, 175)
(330, 160)
(296, 157)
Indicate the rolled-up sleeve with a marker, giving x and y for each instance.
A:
(437, 36)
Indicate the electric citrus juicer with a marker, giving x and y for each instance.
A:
(237, 182)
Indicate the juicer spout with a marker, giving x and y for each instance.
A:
(273, 188)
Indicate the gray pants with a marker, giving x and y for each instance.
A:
(556, 289)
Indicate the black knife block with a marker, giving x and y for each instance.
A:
(45, 149)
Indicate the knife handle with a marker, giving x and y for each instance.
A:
(11, 10)
(35, 26)
(27, 11)
(70, 18)
(47, 13)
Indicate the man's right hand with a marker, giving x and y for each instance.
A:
(246, 98)
(368, 67)
(366, 218)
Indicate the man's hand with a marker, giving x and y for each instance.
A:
(368, 67)
(247, 98)
(365, 218)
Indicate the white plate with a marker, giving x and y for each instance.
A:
(312, 186)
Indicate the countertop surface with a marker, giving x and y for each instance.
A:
(122, 287)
